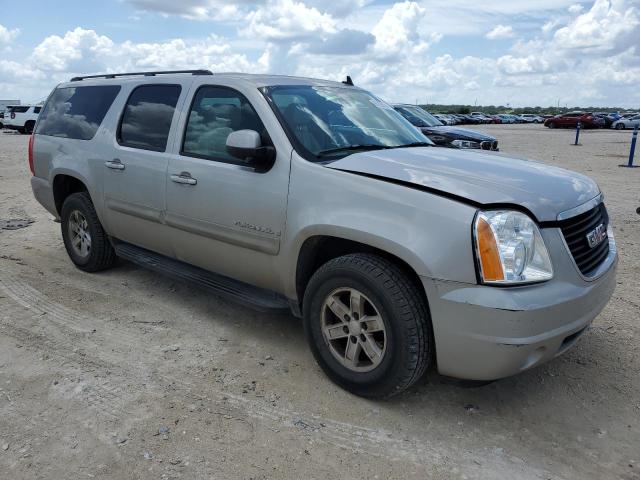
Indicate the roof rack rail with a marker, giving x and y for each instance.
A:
(146, 74)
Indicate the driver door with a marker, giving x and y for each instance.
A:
(225, 216)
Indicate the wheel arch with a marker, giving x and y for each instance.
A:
(64, 185)
(318, 249)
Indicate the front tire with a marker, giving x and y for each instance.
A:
(552, 125)
(368, 325)
(620, 126)
(28, 127)
(84, 238)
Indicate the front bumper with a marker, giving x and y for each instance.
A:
(486, 333)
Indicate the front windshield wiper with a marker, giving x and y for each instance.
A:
(349, 148)
(416, 144)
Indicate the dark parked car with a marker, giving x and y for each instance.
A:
(443, 135)
(571, 119)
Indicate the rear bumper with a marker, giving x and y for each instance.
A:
(487, 333)
(44, 194)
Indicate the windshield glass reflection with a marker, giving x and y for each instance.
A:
(333, 121)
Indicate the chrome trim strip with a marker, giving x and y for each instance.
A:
(585, 207)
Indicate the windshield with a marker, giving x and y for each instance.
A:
(419, 116)
(330, 122)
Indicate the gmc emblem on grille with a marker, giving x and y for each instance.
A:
(596, 236)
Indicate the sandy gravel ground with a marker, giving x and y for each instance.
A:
(129, 375)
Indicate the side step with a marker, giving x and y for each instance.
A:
(234, 290)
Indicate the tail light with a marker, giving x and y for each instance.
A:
(13, 115)
(31, 141)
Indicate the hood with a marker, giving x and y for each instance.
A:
(458, 133)
(480, 178)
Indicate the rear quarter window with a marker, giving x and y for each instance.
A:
(76, 112)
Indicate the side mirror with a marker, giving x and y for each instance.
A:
(246, 145)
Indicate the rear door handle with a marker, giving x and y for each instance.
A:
(115, 164)
(184, 177)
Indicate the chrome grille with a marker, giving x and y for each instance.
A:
(576, 230)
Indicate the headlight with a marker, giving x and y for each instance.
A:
(510, 249)
(465, 144)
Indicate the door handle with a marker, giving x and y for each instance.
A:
(115, 164)
(184, 178)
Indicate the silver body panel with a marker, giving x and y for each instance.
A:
(251, 226)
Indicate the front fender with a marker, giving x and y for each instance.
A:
(432, 234)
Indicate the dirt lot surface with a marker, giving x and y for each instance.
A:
(129, 375)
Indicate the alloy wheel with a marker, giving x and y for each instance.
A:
(353, 329)
(79, 234)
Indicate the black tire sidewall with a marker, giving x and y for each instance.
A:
(375, 382)
(72, 203)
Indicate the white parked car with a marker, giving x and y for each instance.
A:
(21, 117)
(626, 122)
(531, 118)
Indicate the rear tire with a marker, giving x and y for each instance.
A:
(401, 340)
(620, 126)
(84, 238)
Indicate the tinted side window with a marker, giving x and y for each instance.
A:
(37, 109)
(76, 112)
(215, 113)
(147, 117)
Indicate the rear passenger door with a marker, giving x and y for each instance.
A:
(227, 217)
(134, 178)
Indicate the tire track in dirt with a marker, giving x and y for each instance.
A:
(112, 399)
(40, 304)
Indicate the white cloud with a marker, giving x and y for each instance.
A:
(389, 49)
(609, 27)
(398, 28)
(194, 9)
(78, 50)
(501, 31)
(288, 20)
(576, 8)
(7, 36)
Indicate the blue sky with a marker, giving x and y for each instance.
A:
(520, 52)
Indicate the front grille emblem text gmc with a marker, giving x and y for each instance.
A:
(596, 236)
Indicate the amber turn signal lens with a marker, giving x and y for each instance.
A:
(488, 253)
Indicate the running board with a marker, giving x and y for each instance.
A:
(234, 290)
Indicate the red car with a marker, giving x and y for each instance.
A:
(571, 119)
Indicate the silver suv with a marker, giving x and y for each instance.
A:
(318, 197)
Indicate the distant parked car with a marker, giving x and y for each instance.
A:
(446, 119)
(21, 117)
(606, 117)
(531, 118)
(442, 135)
(483, 118)
(626, 123)
(571, 119)
(505, 118)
